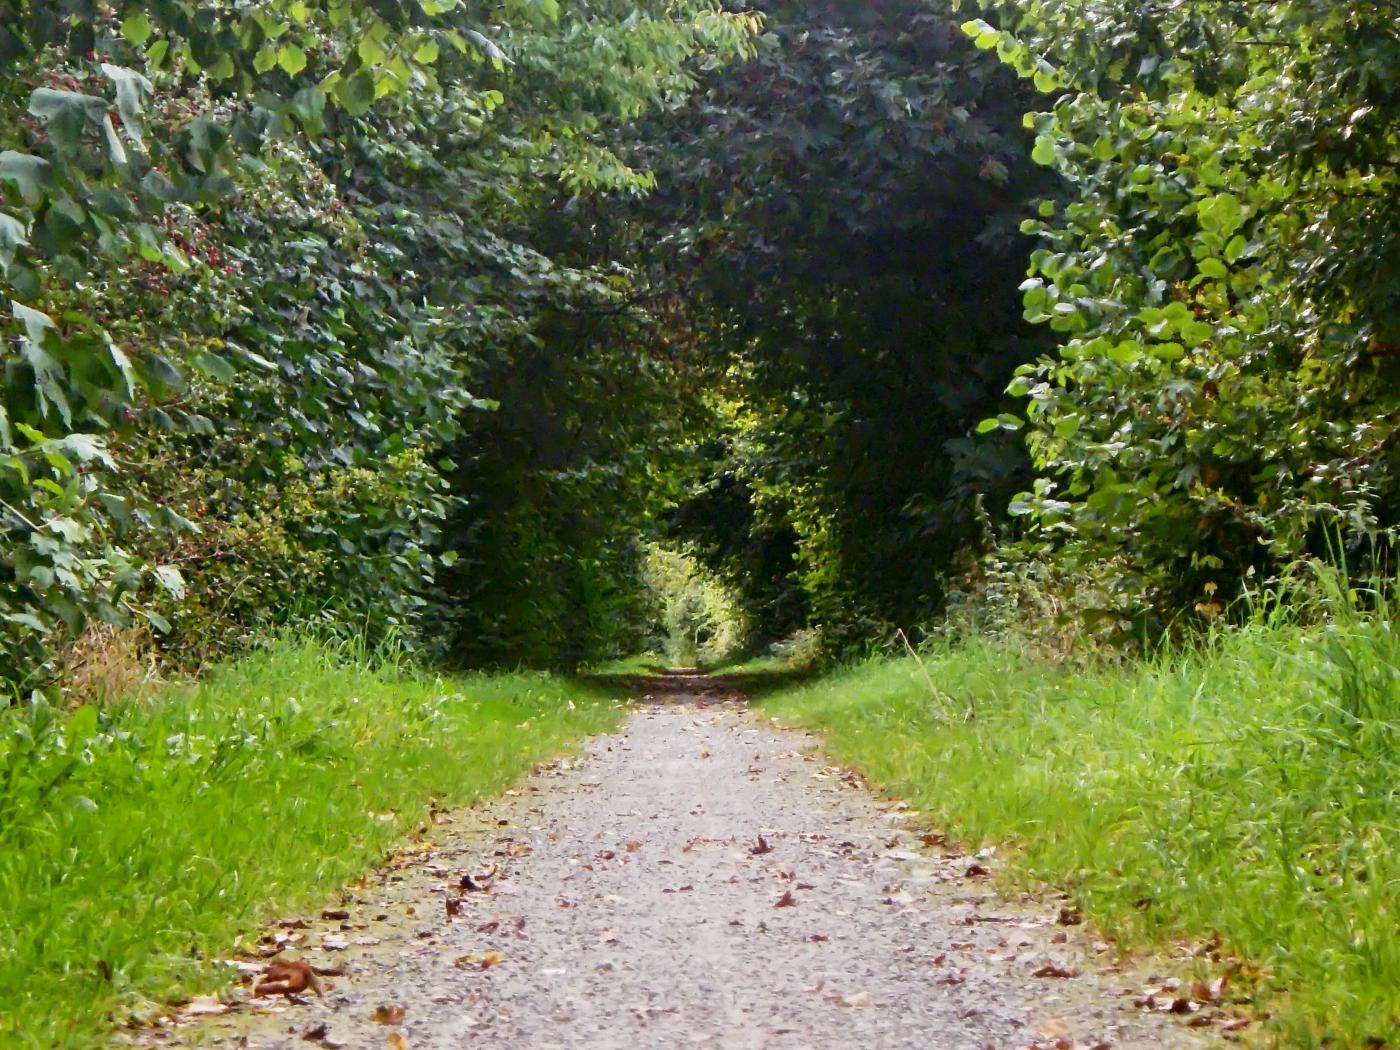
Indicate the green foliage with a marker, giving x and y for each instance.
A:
(140, 842)
(1223, 280)
(699, 621)
(1245, 787)
(255, 257)
(848, 204)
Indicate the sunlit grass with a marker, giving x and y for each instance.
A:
(1250, 787)
(138, 844)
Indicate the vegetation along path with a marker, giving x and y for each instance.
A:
(700, 878)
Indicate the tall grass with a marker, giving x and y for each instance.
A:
(140, 841)
(1249, 785)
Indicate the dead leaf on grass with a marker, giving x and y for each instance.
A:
(977, 871)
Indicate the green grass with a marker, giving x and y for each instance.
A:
(138, 842)
(1250, 787)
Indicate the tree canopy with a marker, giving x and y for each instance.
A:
(424, 317)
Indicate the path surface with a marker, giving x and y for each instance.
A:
(626, 901)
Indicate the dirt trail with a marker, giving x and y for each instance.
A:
(632, 905)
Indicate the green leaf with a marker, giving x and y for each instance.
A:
(170, 580)
(13, 237)
(136, 29)
(216, 367)
(1044, 152)
(489, 49)
(292, 59)
(132, 91)
(49, 105)
(27, 172)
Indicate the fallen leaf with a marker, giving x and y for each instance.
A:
(389, 1013)
(853, 999)
(335, 914)
(787, 900)
(397, 1042)
(1070, 917)
(454, 906)
(761, 847)
(478, 883)
(287, 977)
(977, 871)
(633, 846)
(1055, 970)
(321, 1034)
(1213, 992)
(478, 962)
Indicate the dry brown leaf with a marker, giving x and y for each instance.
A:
(787, 900)
(853, 999)
(478, 962)
(1070, 916)
(320, 1033)
(453, 905)
(761, 847)
(479, 882)
(633, 845)
(397, 1042)
(389, 1013)
(977, 871)
(1055, 970)
(287, 977)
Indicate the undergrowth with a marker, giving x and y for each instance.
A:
(141, 841)
(1249, 785)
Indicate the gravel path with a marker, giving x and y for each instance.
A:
(697, 880)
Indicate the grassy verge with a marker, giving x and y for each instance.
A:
(1251, 787)
(138, 841)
